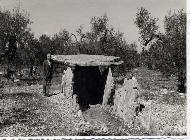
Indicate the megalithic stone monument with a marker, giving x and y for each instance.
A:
(89, 77)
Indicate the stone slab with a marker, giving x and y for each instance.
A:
(87, 60)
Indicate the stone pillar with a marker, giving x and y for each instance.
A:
(109, 85)
(126, 101)
(67, 82)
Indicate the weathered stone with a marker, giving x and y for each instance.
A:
(87, 60)
(79, 114)
(63, 80)
(163, 91)
(102, 69)
(67, 82)
(126, 100)
(91, 80)
(108, 87)
(144, 118)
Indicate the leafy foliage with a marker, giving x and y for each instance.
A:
(146, 24)
(168, 52)
(14, 24)
(104, 39)
(101, 39)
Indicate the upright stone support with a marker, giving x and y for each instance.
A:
(67, 82)
(108, 88)
(126, 101)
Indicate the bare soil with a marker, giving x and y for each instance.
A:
(24, 111)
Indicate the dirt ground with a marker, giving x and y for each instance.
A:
(164, 104)
(24, 111)
(29, 113)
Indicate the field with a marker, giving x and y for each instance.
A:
(166, 108)
(26, 112)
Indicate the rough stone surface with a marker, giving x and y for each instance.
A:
(87, 60)
(108, 87)
(144, 118)
(126, 101)
(93, 81)
(67, 82)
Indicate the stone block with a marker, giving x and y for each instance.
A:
(126, 101)
(67, 82)
(108, 87)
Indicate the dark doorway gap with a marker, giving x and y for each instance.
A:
(89, 84)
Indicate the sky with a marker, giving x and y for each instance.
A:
(50, 16)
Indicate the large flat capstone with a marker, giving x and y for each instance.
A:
(87, 60)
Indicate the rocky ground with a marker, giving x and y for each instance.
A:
(24, 111)
(165, 108)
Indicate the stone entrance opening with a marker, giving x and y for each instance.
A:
(89, 84)
(87, 76)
